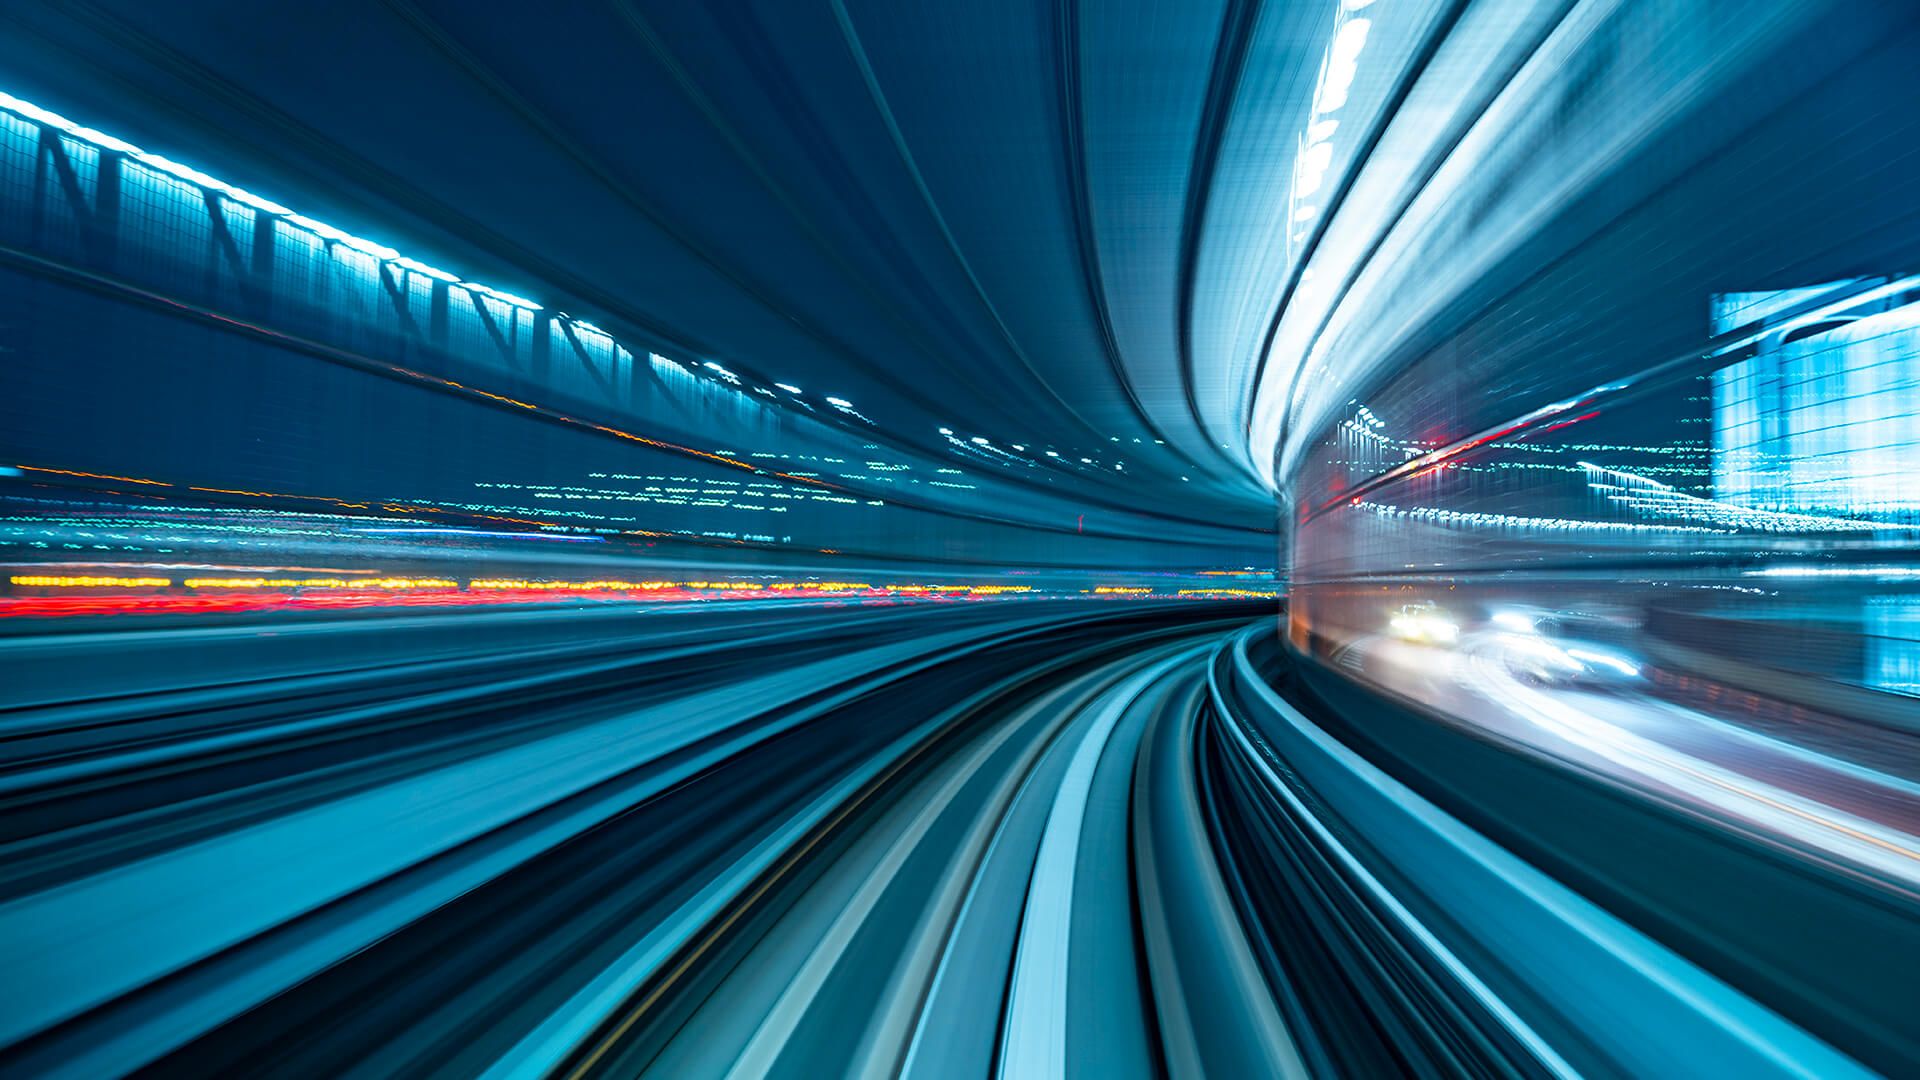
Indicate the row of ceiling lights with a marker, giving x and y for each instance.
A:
(331, 234)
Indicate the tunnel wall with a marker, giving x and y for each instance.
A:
(1639, 361)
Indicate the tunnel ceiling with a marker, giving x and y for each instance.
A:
(1059, 225)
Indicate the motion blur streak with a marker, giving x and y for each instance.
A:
(1004, 538)
(598, 859)
(588, 822)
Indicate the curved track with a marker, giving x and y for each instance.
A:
(1015, 839)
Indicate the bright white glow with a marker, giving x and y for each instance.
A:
(1541, 649)
(840, 403)
(504, 297)
(1606, 659)
(379, 251)
(1333, 92)
(422, 268)
(1351, 39)
(978, 441)
(946, 431)
(1086, 461)
(1020, 448)
(104, 140)
(174, 168)
(1329, 95)
(788, 387)
(1050, 453)
(258, 203)
(319, 228)
(1423, 627)
(711, 366)
(36, 113)
(1517, 621)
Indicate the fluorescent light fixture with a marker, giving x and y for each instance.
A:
(258, 203)
(319, 228)
(104, 140)
(378, 251)
(36, 113)
(174, 168)
(419, 267)
(504, 297)
(163, 164)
